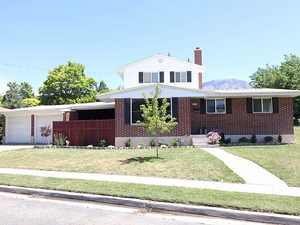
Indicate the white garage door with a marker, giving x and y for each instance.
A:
(18, 130)
(45, 121)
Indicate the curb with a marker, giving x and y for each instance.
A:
(171, 207)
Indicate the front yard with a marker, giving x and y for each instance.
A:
(283, 161)
(174, 163)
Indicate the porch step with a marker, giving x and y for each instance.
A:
(200, 140)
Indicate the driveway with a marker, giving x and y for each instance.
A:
(4, 148)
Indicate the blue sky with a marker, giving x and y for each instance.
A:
(236, 36)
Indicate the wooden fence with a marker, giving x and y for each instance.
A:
(86, 132)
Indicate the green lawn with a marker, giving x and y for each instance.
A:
(283, 161)
(236, 200)
(174, 163)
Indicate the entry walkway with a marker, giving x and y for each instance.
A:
(4, 148)
(235, 187)
(246, 169)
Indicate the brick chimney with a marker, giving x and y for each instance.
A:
(198, 60)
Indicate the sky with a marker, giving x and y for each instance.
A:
(236, 36)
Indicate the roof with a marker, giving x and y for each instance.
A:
(62, 108)
(122, 68)
(168, 91)
(4, 109)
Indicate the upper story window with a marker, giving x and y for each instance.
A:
(180, 77)
(216, 106)
(262, 105)
(151, 77)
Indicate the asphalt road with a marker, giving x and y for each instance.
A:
(30, 210)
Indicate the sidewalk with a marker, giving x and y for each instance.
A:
(234, 187)
(246, 169)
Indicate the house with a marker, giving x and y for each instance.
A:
(237, 112)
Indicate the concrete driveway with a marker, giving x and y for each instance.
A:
(4, 148)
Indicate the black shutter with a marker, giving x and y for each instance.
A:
(202, 106)
(175, 111)
(228, 105)
(189, 76)
(127, 110)
(275, 105)
(249, 105)
(140, 77)
(161, 77)
(172, 76)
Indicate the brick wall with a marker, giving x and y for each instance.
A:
(125, 130)
(240, 122)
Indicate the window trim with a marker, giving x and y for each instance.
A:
(151, 77)
(225, 110)
(262, 105)
(139, 124)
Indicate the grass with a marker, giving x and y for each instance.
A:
(235, 200)
(174, 163)
(283, 161)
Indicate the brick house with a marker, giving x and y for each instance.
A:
(237, 112)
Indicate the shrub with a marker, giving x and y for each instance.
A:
(128, 143)
(253, 139)
(213, 137)
(102, 143)
(227, 141)
(153, 142)
(176, 142)
(279, 139)
(59, 139)
(268, 139)
(243, 140)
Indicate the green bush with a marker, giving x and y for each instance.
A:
(176, 142)
(153, 142)
(268, 139)
(102, 143)
(128, 143)
(244, 140)
(279, 139)
(253, 139)
(227, 141)
(59, 139)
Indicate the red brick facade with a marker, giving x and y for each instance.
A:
(239, 122)
(125, 130)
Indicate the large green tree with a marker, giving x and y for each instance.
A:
(101, 87)
(284, 76)
(16, 93)
(156, 119)
(67, 84)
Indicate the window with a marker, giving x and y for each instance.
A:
(181, 77)
(150, 77)
(262, 105)
(136, 114)
(215, 105)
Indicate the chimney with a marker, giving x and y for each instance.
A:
(198, 56)
(198, 60)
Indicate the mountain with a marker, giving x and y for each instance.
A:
(225, 84)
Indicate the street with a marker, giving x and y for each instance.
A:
(32, 210)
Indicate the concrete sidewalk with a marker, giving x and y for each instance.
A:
(234, 187)
(246, 169)
(4, 148)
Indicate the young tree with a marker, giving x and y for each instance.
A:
(16, 93)
(284, 76)
(67, 84)
(156, 119)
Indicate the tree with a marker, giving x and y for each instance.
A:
(102, 87)
(67, 84)
(284, 76)
(156, 119)
(16, 93)
(30, 102)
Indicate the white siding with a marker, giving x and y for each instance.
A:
(162, 63)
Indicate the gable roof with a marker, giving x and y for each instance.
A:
(168, 91)
(159, 56)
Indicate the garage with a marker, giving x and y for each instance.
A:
(18, 129)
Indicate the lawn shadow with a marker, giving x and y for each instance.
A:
(141, 159)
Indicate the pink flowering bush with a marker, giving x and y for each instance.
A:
(213, 137)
